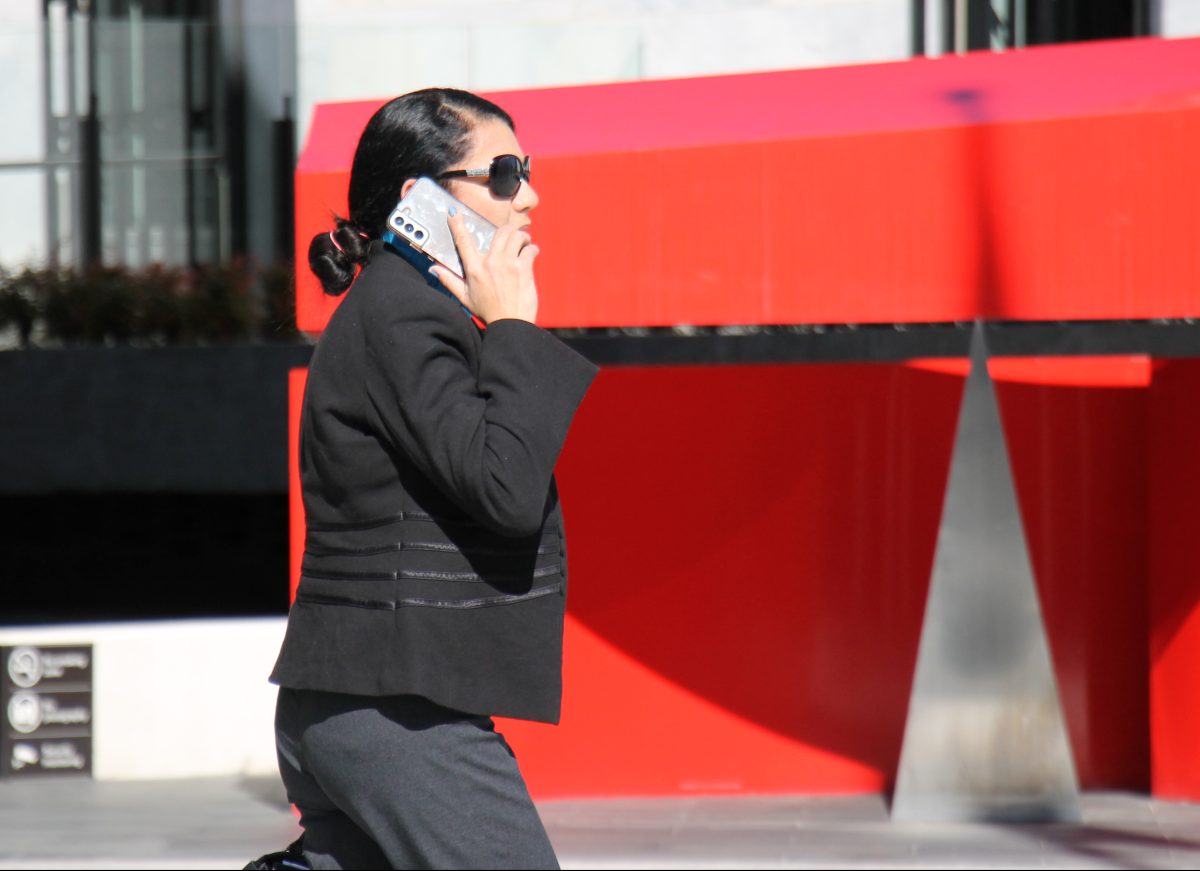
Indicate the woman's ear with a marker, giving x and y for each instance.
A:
(406, 187)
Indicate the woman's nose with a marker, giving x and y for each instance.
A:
(526, 198)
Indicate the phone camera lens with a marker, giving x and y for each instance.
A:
(408, 228)
(420, 234)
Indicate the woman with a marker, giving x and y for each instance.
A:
(434, 577)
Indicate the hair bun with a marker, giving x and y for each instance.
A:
(335, 257)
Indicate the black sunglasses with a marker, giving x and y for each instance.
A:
(504, 176)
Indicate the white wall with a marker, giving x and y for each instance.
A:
(1180, 17)
(176, 698)
(22, 217)
(22, 136)
(362, 49)
(22, 133)
(380, 48)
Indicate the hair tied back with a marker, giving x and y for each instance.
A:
(335, 256)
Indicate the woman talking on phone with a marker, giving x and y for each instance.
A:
(433, 585)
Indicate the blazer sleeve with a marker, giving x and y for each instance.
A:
(488, 442)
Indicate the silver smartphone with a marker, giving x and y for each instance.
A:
(421, 220)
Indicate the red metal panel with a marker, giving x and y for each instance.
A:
(1092, 218)
(1175, 580)
(297, 378)
(1045, 184)
(1075, 80)
(319, 196)
(769, 243)
(737, 629)
(750, 548)
(1078, 219)
(1078, 434)
(776, 616)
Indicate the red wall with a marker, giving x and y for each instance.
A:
(749, 551)
(296, 381)
(1051, 183)
(1175, 572)
(1078, 436)
(750, 548)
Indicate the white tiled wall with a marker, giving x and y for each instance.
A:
(1180, 17)
(22, 134)
(21, 85)
(22, 216)
(553, 52)
(380, 48)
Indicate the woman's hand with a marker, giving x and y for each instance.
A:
(499, 284)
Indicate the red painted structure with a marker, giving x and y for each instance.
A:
(770, 646)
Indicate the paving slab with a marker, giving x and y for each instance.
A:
(65, 822)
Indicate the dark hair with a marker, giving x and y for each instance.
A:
(419, 134)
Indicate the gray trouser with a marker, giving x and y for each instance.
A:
(400, 782)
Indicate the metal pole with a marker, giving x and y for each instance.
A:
(935, 28)
(90, 143)
(917, 25)
(1000, 33)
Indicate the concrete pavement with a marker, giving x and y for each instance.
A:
(224, 822)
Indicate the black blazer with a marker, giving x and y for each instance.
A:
(434, 560)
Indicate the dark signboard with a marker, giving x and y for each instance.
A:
(46, 702)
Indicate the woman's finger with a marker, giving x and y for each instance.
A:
(528, 253)
(517, 242)
(499, 241)
(465, 243)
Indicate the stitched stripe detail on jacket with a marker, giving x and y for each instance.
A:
(415, 575)
(376, 522)
(435, 546)
(393, 605)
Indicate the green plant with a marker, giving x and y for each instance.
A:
(162, 305)
(158, 305)
(221, 305)
(277, 282)
(18, 304)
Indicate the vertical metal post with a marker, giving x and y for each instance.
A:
(1147, 20)
(50, 49)
(89, 142)
(189, 165)
(283, 156)
(935, 27)
(1000, 29)
(917, 23)
(236, 91)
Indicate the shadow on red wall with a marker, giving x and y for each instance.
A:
(1078, 432)
(760, 537)
(750, 554)
(1175, 573)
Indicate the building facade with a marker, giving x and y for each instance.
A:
(165, 131)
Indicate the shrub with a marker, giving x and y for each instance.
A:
(18, 304)
(158, 305)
